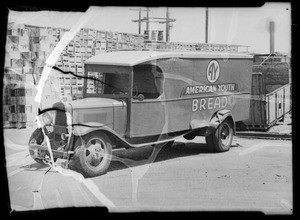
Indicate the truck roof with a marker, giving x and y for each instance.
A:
(132, 58)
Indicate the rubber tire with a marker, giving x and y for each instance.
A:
(214, 139)
(79, 159)
(39, 137)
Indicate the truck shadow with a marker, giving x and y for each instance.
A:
(140, 156)
(126, 158)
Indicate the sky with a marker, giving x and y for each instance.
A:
(242, 26)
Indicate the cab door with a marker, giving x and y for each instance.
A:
(148, 112)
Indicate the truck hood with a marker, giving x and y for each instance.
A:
(96, 103)
(97, 110)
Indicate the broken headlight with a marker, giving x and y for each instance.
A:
(47, 119)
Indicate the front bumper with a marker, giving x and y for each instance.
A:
(40, 152)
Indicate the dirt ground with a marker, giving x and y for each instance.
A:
(254, 175)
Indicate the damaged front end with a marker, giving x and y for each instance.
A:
(54, 127)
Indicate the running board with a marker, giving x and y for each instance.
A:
(155, 142)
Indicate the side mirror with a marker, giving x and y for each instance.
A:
(140, 97)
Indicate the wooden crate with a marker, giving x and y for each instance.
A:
(274, 75)
(21, 125)
(278, 103)
(13, 124)
(267, 109)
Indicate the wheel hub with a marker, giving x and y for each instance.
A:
(224, 134)
(95, 152)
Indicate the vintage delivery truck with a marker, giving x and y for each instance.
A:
(138, 98)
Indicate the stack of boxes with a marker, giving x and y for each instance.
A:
(85, 44)
(275, 71)
(28, 47)
(20, 58)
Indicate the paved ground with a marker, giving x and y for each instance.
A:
(255, 175)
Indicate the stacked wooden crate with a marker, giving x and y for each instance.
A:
(19, 60)
(87, 43)
(28, 47)
(274, 73)
(270, 93)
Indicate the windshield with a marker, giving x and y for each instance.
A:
(105, 83)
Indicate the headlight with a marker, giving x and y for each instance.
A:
(47, 119)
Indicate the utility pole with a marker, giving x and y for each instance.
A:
(159, 20)
(167, 26)
(147, 21)
(140, 23)
(140, 17)
(272, 41)
(206, 25)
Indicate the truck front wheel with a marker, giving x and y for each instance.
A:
(221, 139)
(37, 138)
(93, 152)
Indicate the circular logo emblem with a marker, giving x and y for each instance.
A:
(213, 71)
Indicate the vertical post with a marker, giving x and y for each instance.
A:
(140, 14)
(272, 29)
(129, 105)
(147, 23)
(283, 103)
(276, 106)
(167, 26)
(206, 25)
(268, 110)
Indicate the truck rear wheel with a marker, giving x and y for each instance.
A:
(221, 139)
(93, 154)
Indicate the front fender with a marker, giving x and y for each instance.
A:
(205, 127)
(83, 129)
(219, 116)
